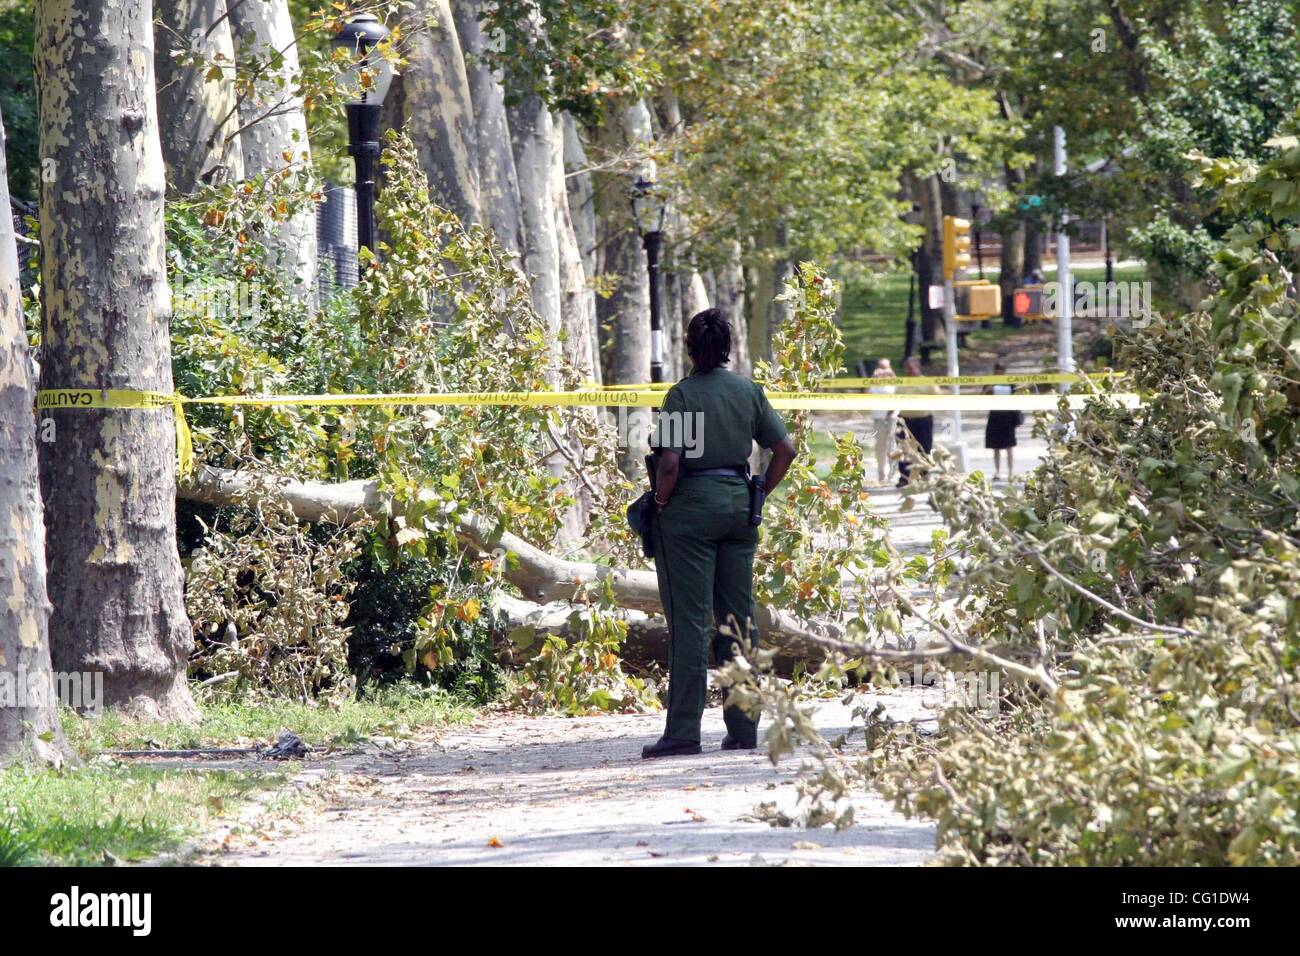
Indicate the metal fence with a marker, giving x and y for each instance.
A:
(336, 239)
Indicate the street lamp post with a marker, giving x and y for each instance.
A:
(369, 76)
(649, 207)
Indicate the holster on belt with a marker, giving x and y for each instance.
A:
(757, 495)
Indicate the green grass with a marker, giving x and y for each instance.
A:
(875, 314)
(103, 810)
(393, 711)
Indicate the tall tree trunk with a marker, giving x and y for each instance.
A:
(677, 269)
(582, 213)
(582, 193)
(25, 612)
(272, 125)
(695, 298)
(1012, 266)
(671, 305)
(1035, 238)
(109, 481)
(626, 313)
(198, 117)
(930, 261)
(1011, 274)
(771, 271)
(1034, 246)
(436, 104)
(577, 307)
(577, 300)
(499, 203)
(730, 297)
(532, 135)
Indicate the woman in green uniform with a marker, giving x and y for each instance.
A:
(703, 539)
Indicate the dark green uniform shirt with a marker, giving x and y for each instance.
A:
(712, 418)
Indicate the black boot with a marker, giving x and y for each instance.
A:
(670, 747)
(731, 743)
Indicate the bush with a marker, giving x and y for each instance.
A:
(267, 598)
(389, 608)
(439, 307)
(1140, 594)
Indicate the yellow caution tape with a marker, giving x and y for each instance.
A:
(1027, 378)
(119, 398)
(1030, 378)
(831, 402)
(52, 399)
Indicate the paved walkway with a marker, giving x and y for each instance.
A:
(511, 790)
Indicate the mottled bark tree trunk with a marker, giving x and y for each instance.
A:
(436, 103)
(109, 480)
(677, 267)
(582, 193)
(198, 117)
(577, 311)
(626, 312)
(671, 305)
(730, 297)
(272, 125)
(582, 213)
(532, 135)
(577, 300)
(25, 612)
(499, 204)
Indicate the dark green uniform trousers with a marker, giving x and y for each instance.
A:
(704, 556)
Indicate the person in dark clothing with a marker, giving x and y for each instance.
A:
(919, 423)
(1000, 432)
(703, 540)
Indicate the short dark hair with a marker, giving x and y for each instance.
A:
(708, 340)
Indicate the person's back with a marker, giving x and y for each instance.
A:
(713, 418)
(705, 528)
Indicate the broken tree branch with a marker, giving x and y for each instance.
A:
(539, 575)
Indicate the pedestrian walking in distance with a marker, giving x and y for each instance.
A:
(704, 529)
(919, 423)
(1000, 431)
(886, 422)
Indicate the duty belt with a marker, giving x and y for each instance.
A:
(736, 471)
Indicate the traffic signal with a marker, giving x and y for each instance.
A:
(1027, 302)
(956, 245)
(978, 300)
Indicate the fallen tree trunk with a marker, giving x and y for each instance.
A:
(539, 575)
(647, 634)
